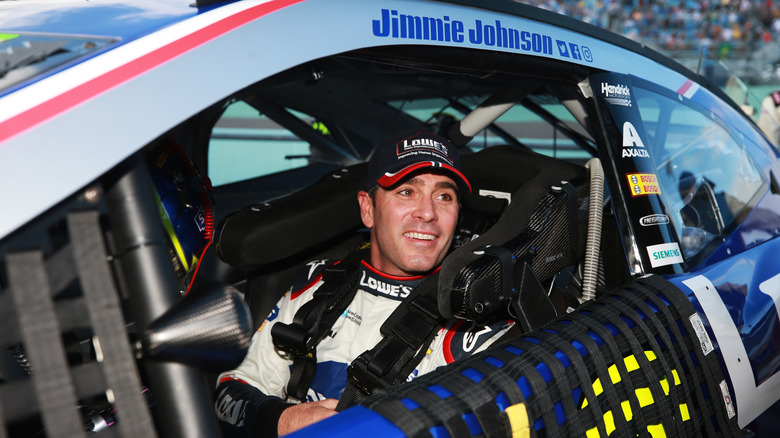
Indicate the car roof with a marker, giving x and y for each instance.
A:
(113, 18)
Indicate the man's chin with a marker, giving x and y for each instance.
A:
(421, 267)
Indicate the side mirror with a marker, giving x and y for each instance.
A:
(209, 329)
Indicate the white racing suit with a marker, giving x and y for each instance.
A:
(251, 397)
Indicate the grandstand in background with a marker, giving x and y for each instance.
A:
(743, 35)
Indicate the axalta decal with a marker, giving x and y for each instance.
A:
(664, 254)
(633, 146)
(643, 184)
(396, 25)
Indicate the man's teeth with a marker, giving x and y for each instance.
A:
(420, 236)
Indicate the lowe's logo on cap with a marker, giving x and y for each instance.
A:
(664, 254)
(414, 151)
(424, 145)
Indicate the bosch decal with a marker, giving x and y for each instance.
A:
(664, 254)
(654, 219)
(643, 184)
(392, 24)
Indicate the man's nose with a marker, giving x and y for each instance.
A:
(425, 209)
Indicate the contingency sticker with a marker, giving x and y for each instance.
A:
(701, 333)
(724, 389)
(643, 184)
(664, 254)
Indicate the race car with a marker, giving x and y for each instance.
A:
(169, 165)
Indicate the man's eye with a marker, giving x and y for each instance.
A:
(446, 197)
(405, 192)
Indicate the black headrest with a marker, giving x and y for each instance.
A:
(265, 233)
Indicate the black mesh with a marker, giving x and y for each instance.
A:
(623, 365)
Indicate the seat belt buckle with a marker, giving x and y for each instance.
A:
(364, 380)
(292, 341)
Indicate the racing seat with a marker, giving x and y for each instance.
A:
(270, 241)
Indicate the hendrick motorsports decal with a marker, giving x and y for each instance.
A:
(664, 254)
(643, 184)
(616, 94)
(392, 24)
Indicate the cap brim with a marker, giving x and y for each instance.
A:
(390, 179)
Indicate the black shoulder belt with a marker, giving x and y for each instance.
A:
(406, 334)
(314, 319)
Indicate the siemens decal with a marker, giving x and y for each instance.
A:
(393, 24)
(664, 254)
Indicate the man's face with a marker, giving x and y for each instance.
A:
(412, 225)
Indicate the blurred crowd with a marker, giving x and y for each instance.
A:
(730, 27)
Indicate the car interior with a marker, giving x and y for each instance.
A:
(519, 122)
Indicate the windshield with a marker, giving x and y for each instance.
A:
(24, 56)
(705, 175)
(719, 73)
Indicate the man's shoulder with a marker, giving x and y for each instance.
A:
(309, 273)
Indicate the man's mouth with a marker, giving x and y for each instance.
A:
(419, 236)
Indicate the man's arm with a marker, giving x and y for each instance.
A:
(245, 411)
(299, 416)
(249, 398)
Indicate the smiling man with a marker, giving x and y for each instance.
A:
(411, 206)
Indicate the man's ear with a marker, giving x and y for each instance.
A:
(366, 208)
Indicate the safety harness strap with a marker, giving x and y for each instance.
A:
(407, 334)
(299, 339)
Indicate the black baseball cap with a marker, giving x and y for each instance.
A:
(415, 151)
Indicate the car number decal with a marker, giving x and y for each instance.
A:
(751, 399)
